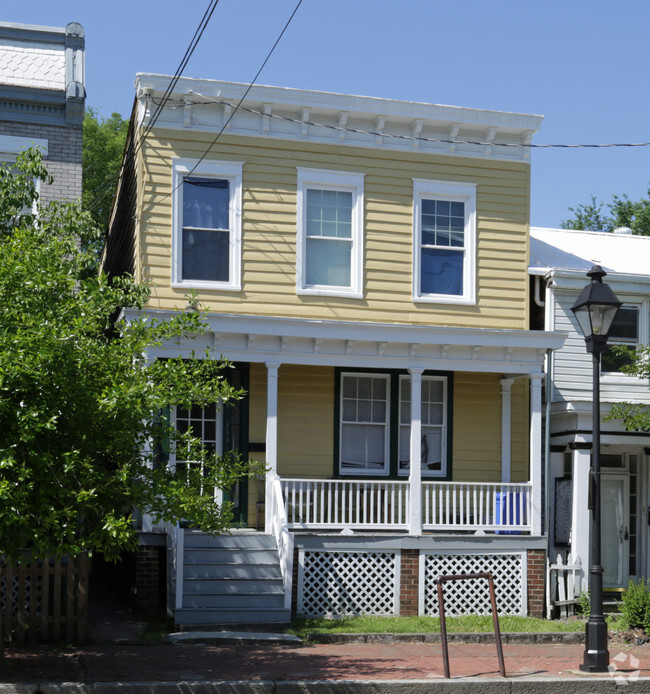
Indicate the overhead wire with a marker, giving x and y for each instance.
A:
(240, 102)
(415, 138)
(250, 86)
(189, 51)
(179, 70)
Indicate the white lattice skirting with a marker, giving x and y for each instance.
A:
(348, 583)
(472, 596)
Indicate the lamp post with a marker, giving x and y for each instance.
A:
(595, 310)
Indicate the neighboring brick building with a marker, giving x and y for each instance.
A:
(42, 96)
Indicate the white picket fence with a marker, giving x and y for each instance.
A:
(563, 586)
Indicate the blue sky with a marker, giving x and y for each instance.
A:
(583, 64)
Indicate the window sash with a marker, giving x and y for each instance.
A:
(433, 424)
(206, 225)
(364, 424)
(444, 247)
(624, 332)
(329, 246)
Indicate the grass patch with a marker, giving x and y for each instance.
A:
(426, 625)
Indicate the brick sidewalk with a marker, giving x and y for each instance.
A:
(312, 662)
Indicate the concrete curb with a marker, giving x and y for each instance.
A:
(201, 638)
(588, 685)
(509, 638)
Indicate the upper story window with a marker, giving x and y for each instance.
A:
(444, 246)
(10, 147)
(624, 332)
(206, 227)
(329, 249)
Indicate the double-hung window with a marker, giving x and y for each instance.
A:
(329, 245)
(364, 433)
(433, 446)
(10, 147)
(375, 424)
(444, 242)
(624, 332)
(207, 224)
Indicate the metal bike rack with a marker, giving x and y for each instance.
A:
(443, 623)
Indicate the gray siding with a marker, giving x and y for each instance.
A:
(572, 367)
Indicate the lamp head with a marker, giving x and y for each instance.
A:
(595, 310)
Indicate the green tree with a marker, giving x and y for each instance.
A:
(623, 212)
(635, 416)
(103, 148)
(80, 405)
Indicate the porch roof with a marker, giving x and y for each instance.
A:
(364, 345)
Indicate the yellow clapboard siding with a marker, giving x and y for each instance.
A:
(269, 222)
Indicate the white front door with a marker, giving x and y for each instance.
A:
(614, 495)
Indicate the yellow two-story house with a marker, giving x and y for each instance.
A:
(363, 263)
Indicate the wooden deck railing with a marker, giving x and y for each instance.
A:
(490, 506)
(346, 503)
(373, 504)
(44, 600)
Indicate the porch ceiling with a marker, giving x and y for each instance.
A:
(367, 345)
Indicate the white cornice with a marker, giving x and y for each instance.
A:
(339, 343)
(280, 112)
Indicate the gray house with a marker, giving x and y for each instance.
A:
(559, 261)
(42, 96)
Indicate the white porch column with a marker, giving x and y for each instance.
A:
(271, 435)
(536, 452)
(506, 427)
(580, 514)
(415, 476)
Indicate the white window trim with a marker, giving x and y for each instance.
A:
(356, 472)
(442, 473)
(231, 171)
(424, 189)
(325, 179)
(643, 306)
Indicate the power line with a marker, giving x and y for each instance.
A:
(414, 138)
(179, 70)
(250, 86)
(207, 15)
(241, 100)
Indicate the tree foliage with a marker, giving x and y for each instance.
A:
(635, 416)
(103, 148)
(623, 212)
(80, 404)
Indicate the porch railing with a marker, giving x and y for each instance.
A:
(491, 506)
(373, 504)
(280, 530)
(346, 503)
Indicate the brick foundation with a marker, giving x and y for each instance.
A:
(536, 577)
(294, 584)
(409, 583)
(150, 579)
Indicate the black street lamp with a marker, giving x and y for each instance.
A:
(595, 310)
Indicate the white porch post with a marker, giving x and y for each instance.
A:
(271, 435)
(580, 514)
(506, 427)
(536, 452)
(415, 476)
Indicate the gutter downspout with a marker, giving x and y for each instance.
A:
(548, 324)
